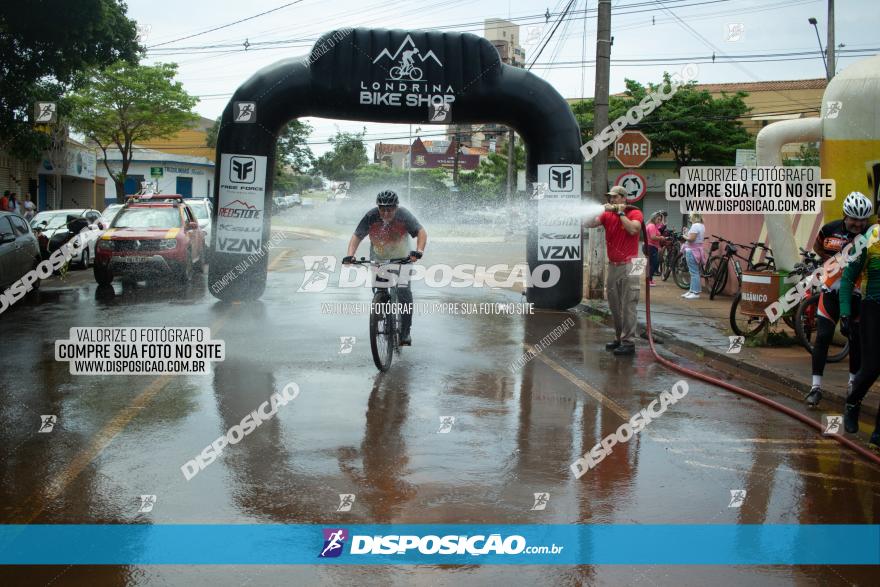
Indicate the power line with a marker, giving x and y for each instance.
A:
(225, 25)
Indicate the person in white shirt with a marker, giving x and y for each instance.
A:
(28, 208)
(693, 253)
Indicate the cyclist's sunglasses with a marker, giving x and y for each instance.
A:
(389, 207)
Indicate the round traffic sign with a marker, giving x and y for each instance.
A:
(635, 184)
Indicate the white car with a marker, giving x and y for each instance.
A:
(201, 208)
(54, 222)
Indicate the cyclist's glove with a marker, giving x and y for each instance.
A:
(348, 260)
(844, 325)
(415, 254)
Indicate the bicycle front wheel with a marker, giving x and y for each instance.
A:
(745, 325)
(717, 273)
(381, 332)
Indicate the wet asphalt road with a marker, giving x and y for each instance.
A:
(353, 431)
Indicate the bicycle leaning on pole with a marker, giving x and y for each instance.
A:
(731, 253)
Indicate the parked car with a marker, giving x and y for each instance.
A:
(111, 211)
(19, 249)
(294, 200)
(202, 208)
(151, 236)
(279, 204)
(52, 228)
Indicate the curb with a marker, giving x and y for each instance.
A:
(671, 340)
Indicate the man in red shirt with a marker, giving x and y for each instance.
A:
(622, 226)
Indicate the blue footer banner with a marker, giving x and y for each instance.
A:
(266, 544)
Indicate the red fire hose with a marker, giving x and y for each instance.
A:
(744, 392)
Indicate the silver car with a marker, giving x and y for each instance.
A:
(19, 250)
(201, 208)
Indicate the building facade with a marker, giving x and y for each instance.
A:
(172, 173)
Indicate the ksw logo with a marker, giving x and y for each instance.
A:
(559, 252)
(560, 178)
(243, 170)
(238, 245)
(554, 236)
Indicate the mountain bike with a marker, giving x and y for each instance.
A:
(806, 318)
(669, 253)
(682, 275)
(749, 325)
(731, 253)
(385, 316)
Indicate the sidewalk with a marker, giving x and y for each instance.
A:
(702, 327)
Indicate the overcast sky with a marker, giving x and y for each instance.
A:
(650, 31)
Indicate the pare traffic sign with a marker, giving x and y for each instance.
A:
(632, 149)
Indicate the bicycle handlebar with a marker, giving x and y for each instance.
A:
(365, 261)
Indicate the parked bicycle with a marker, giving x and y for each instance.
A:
(682, 275)
(385, 316)
(670, 253)
(731, 253)
(751, 325)
(806, 318)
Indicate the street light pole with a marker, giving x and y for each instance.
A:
(409, 167)
(814, 22)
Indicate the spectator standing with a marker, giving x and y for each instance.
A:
(622, 226)
(693, 252)
(29, 209)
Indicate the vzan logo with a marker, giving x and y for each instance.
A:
(405, 83)
(242, 170)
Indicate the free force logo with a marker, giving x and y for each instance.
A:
(334, 541)
(560, 178)
(243, 170)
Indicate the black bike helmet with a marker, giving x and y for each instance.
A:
(387, 198)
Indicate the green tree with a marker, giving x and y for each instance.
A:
(348, 154)
(808, 156)
(691, 125)
(125, 104)
(44, 48)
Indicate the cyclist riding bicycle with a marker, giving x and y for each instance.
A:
(389, 227)
(832, 239)
(869, 328)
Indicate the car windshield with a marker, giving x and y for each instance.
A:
(111, 211)
(147, 218)
(200, 210)
(52, 219)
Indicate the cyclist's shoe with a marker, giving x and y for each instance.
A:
(851, 417)
(625, 349)
(405, 339)
(814, 397)
(610, 346)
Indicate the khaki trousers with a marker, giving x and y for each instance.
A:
(622, 290)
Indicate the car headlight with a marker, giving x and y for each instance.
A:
(168, 243)
(104, 245)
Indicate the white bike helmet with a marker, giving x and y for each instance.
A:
(857, 205)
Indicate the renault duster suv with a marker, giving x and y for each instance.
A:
(151, 236)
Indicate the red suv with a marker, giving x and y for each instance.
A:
(150, 236)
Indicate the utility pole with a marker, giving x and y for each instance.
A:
(455, 164)
(830, 46)
(409, 168)
(511, 168)
(596, 251)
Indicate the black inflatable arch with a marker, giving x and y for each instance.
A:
(354, 74)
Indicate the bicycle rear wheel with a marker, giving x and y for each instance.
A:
(667, 264)
(680, 272)
(381, 332)
(806, 323)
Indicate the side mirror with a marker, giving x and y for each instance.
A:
(192, 225)
(6, 238)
